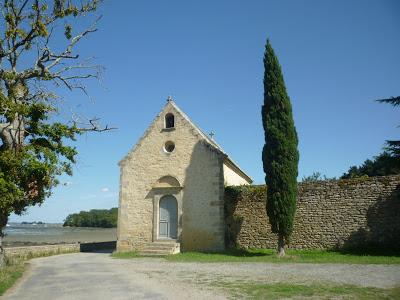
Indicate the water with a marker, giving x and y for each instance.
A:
(17, 229)
(37, 234)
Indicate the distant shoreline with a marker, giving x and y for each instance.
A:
(20, 224)
(53, 234)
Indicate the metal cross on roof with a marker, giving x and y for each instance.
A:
(169, 99)
(211, 134)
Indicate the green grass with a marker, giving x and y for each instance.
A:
(9, 274)
(269, 255)
(125, 255)
(292, 256)
(316, 291)
(254, 290)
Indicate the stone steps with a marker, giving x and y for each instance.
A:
(160, 248)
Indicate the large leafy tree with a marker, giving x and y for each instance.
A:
(104, 218)
(386, 163)
(392, 146)
(280, 155)
(381, 165)
(36, 61)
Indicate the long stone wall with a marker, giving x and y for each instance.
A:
(330, 214)
(42, 250)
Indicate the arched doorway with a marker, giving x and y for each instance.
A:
(168, 218)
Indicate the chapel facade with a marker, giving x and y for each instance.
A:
(172, 186)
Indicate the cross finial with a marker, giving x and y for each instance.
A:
(211, 134)
(169, 99)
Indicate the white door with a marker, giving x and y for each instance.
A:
(168, 222)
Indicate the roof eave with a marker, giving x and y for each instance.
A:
(238, 170)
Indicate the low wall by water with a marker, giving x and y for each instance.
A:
(43, 250)
(46, 250)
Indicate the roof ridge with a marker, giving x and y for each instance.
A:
(207, 138)
(144, 135)
(201, 132)
(203, 135)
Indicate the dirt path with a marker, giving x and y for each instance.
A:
(98, 276)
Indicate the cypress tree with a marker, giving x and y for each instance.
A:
(280, 155)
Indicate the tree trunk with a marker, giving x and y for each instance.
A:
(12, 132)
(3, 223)
(2, 254)
(281, 245)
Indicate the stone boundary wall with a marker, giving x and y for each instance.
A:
(330, 214)
(42, 250)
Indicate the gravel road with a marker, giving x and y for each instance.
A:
(99, 276)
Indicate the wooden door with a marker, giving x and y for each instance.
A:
(168, 221)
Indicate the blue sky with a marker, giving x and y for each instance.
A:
(336, 56)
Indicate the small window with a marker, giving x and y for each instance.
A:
(169, 146)
(169, 121)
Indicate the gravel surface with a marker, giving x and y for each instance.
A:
(98, 276)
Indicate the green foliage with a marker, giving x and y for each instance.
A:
(280, 155)
(316, 176)
(126, 255)
(68, 31)
(382, 165)
(393, 147)
(254, 192)
(395, 101)
(233, 221)
(28, 173)
(232, 192)
(35, 147)
(104, 218)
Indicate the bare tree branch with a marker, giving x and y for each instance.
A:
(75, 40)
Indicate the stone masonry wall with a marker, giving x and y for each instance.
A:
(42, 250)
(198, 169)
(330, 214)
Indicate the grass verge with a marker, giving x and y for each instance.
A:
(315, 291)
(9, 274)
(269, 255)
(125, 255)
(292, 256)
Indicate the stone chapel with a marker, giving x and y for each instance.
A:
(172, 188)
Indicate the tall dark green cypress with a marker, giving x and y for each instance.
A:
(280, 155)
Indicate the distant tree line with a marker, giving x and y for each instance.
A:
(104, 218)
(316, 176)
(384, 164)
(381, 165)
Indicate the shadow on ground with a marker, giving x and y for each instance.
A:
(99, 247)
(238, 253)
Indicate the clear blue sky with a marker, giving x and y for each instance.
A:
(337, 57)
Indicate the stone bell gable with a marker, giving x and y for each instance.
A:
(172, 186)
